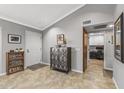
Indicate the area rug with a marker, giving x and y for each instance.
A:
(36, 66)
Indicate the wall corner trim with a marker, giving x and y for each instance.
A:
(75, 70)
(67, 14)
(19, 23)
(116, 85)
(106, 68)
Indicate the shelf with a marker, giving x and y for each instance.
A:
(15, 59)
(15, 66)
(17, 71)
(15, 62)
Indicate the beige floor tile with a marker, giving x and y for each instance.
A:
(44, 78)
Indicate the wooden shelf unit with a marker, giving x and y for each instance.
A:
(14, 62)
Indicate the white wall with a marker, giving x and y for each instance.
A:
(71, 27)
(118, 67)
(11, 28)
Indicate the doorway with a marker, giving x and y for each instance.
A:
(94, 43)
(93, 48)
(96, 49)
(33, 48)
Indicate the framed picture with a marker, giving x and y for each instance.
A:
(14, 39)
(119, 38)
(60, 39)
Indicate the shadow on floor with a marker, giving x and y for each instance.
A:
(107, 73)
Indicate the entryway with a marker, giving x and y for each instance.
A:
(97, 40)
(33, 48)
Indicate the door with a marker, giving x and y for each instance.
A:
(85, 49)
(33, 48)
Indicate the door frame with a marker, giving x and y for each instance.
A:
(26, 65)
(104, 42)
(85, 63)
(1, 61)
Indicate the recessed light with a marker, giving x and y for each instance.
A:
(111, 25)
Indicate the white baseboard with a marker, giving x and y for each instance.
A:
(106, 68)
(75, 70)
(45, 63)
(25, 67)
(116, 85)
(71, 70)
(2, 74)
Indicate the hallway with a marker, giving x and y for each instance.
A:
(95, 73)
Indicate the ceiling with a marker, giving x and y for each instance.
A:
(39, 16)
(99, 27)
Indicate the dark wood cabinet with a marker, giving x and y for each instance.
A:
(60, 58)
(14, 62)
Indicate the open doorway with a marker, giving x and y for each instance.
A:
(96, 49)
(95, 44)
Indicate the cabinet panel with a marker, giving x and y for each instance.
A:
(60, 58)
(14, 62)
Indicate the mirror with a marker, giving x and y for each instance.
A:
(118, 34)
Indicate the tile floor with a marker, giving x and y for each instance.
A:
(44, 78)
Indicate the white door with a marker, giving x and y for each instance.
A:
(108, 51)
(0, 51)
(33, 48)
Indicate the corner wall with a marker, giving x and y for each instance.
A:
(71, 26)
(118, 67)
(11, 28)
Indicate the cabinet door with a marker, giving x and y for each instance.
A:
(52, 53)
(54, 57)
(63, 58)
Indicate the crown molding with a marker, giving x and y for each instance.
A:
(18, 22)
(38, 28)
(67, 14)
